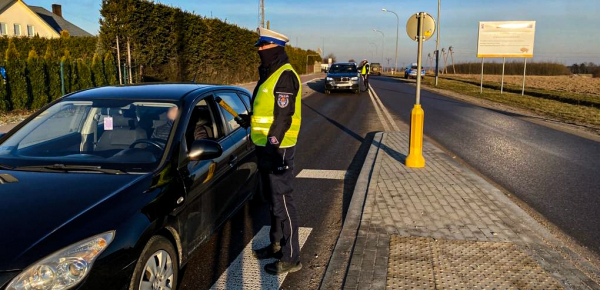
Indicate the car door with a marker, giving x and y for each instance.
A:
(205, 181)
(242, 158)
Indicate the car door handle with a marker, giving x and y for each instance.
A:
(233, 161)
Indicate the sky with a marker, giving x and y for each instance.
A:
(566, 30)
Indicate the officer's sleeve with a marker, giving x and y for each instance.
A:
(286, 92)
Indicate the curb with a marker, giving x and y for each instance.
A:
(340, 258)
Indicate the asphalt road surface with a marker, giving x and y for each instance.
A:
(333, 129)
(555, 173)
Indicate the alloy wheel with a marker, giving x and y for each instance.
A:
(158, 272)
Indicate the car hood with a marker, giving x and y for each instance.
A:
(338, 75)
(39, 204)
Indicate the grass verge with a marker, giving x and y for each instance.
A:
(566, 112)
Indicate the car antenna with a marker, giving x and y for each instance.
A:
(194, 80)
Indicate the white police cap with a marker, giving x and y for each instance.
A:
(270, 36)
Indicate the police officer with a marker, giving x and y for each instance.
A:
(366, 69)
(275, 124)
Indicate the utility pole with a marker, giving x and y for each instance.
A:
(129, 61)
(262, 13)
(437, 44)
(451, 50)
(119, 62)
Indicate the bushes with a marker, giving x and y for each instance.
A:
(512, 68)
(33, 82)
(596, 73)
(176, 45)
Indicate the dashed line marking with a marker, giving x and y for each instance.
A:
(322, 174)
(247, 272)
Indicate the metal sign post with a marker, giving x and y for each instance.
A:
(502, 82)
(420, 27)
(481, 85)
(524, 74)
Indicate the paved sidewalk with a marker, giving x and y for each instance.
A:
(444, 227)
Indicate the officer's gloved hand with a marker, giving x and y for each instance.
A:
(243, 120)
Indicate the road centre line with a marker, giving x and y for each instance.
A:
(315, 79)
(247, 272)
(322, 174)
(384, 109)
(379, 114)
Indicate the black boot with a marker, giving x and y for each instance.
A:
(268, 252)
(279, 267)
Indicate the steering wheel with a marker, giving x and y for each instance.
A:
(152, 142)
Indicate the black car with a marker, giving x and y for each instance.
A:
(342, 76)
(112, 188)
(375, 69)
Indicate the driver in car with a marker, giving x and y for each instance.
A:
(162, 131)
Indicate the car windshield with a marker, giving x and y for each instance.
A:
(343, 68)
(413, 67)
(103, 133)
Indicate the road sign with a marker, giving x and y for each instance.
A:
(412, 26)
(420, 27)
(506, 39)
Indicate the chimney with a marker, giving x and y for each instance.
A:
(57, 9)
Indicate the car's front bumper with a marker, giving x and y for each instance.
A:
(342, 85)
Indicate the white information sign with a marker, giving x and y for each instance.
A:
(506, 39)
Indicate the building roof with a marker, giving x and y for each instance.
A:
(58, 23)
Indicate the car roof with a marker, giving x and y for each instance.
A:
(155, 91)
(345, 63)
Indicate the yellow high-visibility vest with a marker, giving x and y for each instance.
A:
(263, 109)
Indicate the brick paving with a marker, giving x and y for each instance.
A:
(444, 201)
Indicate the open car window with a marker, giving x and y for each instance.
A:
(108, 133)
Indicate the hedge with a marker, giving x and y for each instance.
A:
(33, 82)
(176, 45)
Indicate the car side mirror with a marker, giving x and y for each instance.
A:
(204, 150)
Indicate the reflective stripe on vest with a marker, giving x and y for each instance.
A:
(263, 107)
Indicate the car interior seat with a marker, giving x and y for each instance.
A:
(125, 131)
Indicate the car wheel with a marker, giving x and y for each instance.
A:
(157, 268)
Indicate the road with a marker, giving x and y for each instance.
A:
(333, 130)
(555, 173)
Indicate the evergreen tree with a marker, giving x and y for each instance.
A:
(37, 81)
(110, 70)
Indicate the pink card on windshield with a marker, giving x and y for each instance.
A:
(108, 123)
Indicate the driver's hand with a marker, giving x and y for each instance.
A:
(243, 120)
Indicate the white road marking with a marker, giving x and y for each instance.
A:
(315, 79)
(384, 109)
(379, 114)
(246, 272)
(322, 174)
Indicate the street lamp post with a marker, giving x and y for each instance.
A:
(382, 42)
(437, 44)
(397, 28)
(376, 51)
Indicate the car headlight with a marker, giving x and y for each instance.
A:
(354, 78)
(65, 268)
(329, 79)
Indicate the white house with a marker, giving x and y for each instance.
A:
(19, 19)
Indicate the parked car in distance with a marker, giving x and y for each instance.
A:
(342, 76)
(411, 71)
(115, 187)
(375, 69)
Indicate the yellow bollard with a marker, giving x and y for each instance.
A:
(415, 156)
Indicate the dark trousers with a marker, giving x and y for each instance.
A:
(284, 221)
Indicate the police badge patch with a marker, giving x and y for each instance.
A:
(283, 100)
(273, 140)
